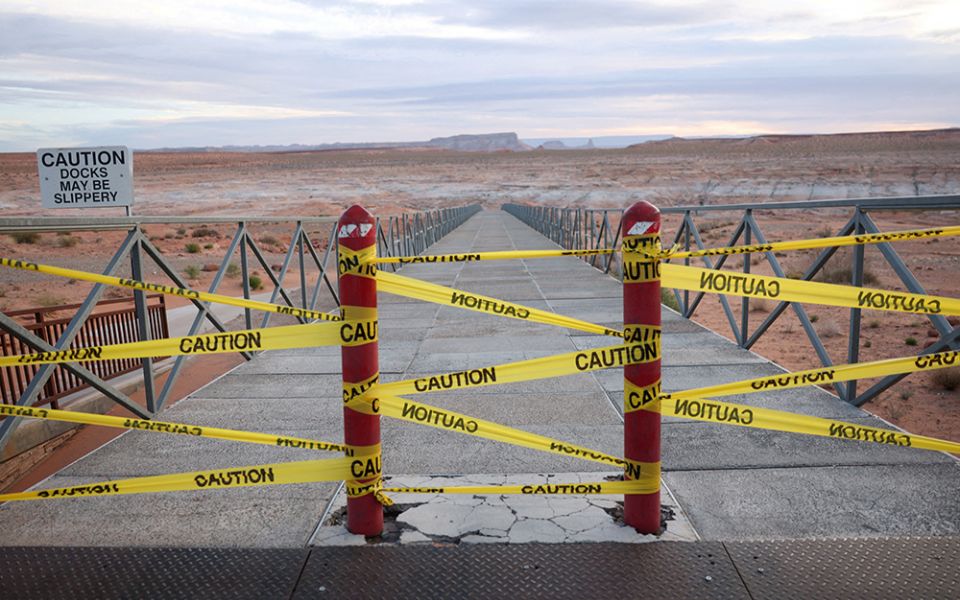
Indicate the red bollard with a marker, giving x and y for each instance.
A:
(640, 230)
(357, 232)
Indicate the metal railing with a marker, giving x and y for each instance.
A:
(117, 325)
(305, 260)
(577, 228)
(410, 234)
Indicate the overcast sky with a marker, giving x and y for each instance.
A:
(216, 72)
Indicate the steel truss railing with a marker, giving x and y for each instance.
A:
(410, 234)
(579, 228)
(405, 235)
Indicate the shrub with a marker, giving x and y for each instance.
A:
(843, 275)
(48, 299)
(867, 343)
(910, 341)
(25, 237)
(814, 318)
(906, 394)
(255, 282)
(192, 248)
(759, 305)
(874, 324)
(669, 300)
(208, 246)
(181, 231)
(948, 379)
(838, 270)
(269, 240)
(204, 232)
(168, 235)
(67, 242)
(192, 272)
(233, 271)
(829, 329)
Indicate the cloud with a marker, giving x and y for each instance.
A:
(401, 70)
(548, 15)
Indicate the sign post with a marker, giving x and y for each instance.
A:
(100, 177)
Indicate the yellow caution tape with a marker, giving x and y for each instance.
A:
(348, 333)
(353, 390)
(641, 262)
(355, 489)
(647, 244)
(764, 418)
(478, 256)
(827, 375)
(637, 268)
(424, 414)
(536, 489)
(308, 471)
(791, 290)
(357, 262)
(846, 240)
(168, 290)
(182, 429)
(355, 333)
(438, 294)
(366, 467)
(637, 397)
(527, 370)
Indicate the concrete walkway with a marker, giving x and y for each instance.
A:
(732, 483)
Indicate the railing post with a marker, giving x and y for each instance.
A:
(142, 324)
(640, 229)
(356, 232)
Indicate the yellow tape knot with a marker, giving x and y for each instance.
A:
(657, 254)
(355, 489)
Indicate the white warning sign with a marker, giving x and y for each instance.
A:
(640, 227)
(352, 231)
(85, 177)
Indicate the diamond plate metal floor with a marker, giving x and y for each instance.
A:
(848, 568)
(78, 573)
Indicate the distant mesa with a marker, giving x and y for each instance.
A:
(553, 145)
(560, 145)
(768, 139)
(485, 142)
(510, 142)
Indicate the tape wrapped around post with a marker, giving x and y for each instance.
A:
(640, 232)
(356, 251)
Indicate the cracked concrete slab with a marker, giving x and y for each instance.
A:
(505, 518)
